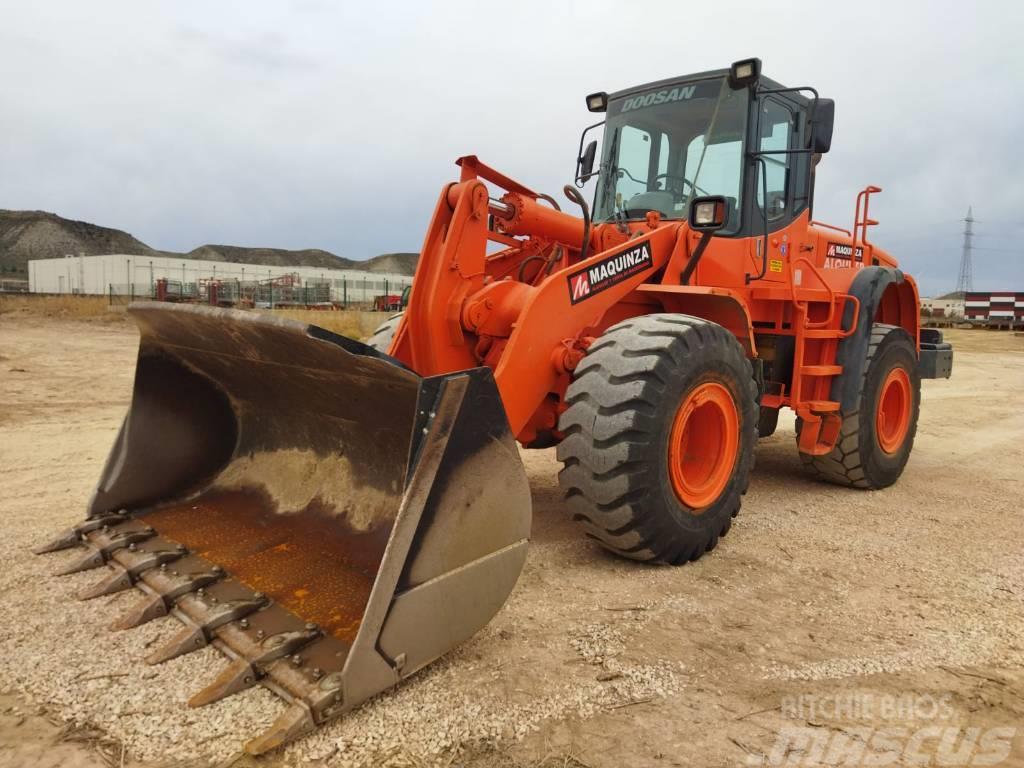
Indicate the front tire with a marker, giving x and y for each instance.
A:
(659, 437)
(875, 440)
(381, 338)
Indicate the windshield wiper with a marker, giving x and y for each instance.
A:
(609, 186)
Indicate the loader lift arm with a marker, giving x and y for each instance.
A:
(532, 335)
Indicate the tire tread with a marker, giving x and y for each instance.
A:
(381, 338)
(612, 415)
(844, 464)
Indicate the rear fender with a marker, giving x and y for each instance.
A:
(899, 305)
(885, 295)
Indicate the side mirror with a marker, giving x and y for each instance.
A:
(585, 162)
(708, 214)
(822, 120)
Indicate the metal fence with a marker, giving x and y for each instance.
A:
(13, 286)
(279, 292)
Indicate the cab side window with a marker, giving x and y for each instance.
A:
(716, 169)
(776, 131)
(634, 161)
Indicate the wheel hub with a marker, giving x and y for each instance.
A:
(892, 417)
(703, 445)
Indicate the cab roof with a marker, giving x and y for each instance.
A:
(712, 74)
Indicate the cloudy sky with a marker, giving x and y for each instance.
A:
(334, 125)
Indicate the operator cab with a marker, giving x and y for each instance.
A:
(728, 133)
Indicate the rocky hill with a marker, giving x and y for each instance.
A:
(399, 263)
(28, 235)
(274, 257)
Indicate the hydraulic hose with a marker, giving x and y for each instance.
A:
(527, 260)
(575, 196)
(551, 200)
(546, 267)
(556, 256)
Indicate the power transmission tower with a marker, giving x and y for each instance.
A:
(964, 283)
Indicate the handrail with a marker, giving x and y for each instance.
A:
(843, 332)
(863, 224)
(803, 305)
(762, 243)
(829, 226)
(856, 315)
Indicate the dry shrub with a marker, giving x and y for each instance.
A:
(348, 322)
(982, 340)
(355, 324)
(68, 307)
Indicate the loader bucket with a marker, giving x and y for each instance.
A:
(328, 519)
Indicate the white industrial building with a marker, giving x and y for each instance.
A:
(128, 274)
(942, 307)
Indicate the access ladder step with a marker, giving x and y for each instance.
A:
(821, 370)
(823, 406)
(823, 333)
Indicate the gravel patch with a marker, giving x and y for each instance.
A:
(434, 717)
(920, 586)
(60, 651)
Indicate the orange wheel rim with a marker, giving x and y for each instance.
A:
(703, 444)
(892, 417)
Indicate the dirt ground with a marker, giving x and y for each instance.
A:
(842, 614)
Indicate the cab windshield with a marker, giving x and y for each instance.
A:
(665, 146)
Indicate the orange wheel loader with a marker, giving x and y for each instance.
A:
(334, 516)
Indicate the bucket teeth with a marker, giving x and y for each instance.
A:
(145, 611)
(188, 640)
(159, 604)
(294, 722)
(118, 580)
(66, 540)
(73, 536)
(124, 577)
(194, 638)
(97, 556)
(237, 676)
(242, 674)
(94, 558)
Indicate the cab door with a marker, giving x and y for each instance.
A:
(781, 192)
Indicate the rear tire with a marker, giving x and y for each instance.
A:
(767, 421)
(659, 437)
(873, 447)
(381, 338)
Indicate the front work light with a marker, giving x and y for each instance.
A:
(597, 102)
(744, 72)
(708, 213)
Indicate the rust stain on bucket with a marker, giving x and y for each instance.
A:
(308, 562)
